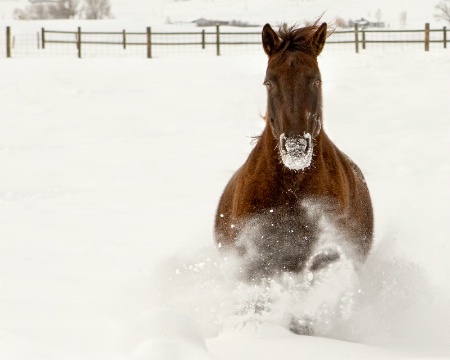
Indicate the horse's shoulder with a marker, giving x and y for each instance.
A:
(356, 169)
(349, 163)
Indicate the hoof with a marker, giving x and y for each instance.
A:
(301, 327)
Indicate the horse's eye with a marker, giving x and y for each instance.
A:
(268, 85)
(317, 82)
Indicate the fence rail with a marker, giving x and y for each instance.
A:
(215, 39)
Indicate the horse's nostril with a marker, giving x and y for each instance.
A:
(283, 142)
(293, 144)
(296, 145)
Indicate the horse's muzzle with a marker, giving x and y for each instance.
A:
(296, 151)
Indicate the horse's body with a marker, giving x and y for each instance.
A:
(296, 184)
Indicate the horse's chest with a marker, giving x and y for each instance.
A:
(286, 195)
(277, 239)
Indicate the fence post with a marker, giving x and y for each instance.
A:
(445, 37)
(124, 39)
(218, 39)
(203, 39)
(356, 39)
(363, 39)
(149, 42)
(79, 42)
(8, 42)
(427, 37)
(43, 37)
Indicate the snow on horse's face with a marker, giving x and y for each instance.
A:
(294, 94)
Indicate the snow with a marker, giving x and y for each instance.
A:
(112, 170)
(162, 12)
(297, 152)
(259, 12)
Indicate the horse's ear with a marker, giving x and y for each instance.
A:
(319, 38)
(270, 40)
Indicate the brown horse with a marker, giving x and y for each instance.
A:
(296, 184)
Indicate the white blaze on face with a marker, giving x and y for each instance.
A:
(296, 152)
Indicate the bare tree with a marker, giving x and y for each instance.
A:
(443, 10)
(20, 14)
(33, 12)
(403, 16)
(340, 22)
(61, 9)
(378, 15)
(97, 9)
(68, 7)
(64, 9)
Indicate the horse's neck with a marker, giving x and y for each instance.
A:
(269, 147)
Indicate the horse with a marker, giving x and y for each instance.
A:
(277, 209)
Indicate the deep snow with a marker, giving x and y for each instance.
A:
(112, 170)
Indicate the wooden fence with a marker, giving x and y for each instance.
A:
(216, 38)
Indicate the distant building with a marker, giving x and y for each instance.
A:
(205, 22)
(364, 24)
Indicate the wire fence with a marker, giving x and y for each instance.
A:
(214, 41)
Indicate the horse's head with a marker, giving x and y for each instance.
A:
(294, 95)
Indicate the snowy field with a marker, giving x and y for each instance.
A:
(157, 12)
(112, 170)
(111, 173)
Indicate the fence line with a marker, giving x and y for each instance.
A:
(215, 39)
